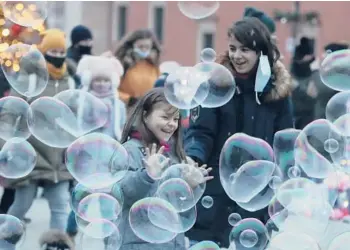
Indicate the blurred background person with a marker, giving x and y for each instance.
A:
(139, 53)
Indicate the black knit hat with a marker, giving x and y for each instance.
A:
(265, 19)
(336, 46)
(80, 33)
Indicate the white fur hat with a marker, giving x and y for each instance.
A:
(90, 67)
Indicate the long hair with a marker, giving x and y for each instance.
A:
(136, 121)
(253, 34)
(126, 46)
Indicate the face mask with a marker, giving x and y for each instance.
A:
(55, 61)
(84, 50)
(263, 75)
(141, 54)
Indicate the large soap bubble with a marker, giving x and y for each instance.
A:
(198, 9)
(222, 85)
(334, 70)
(338, 106)
(97, 160)
(25, 69)
(169, 67)
(26, 13)
(186, 88)
(13, 118)
(12, 230)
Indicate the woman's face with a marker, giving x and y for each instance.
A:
(144, 45)
(242, 58)
(163, 121)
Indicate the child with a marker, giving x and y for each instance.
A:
(153, 122)
(100, 76)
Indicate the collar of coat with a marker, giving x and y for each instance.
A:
(282, 83)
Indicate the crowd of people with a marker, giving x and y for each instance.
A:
(130, 83)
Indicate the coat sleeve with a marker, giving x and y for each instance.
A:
(136, 184)
(285, 115)
(199, 137)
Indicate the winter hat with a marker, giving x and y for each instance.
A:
(336, 46)
(55, 239)
(52, 39)
(91, 67)
(265, 19)
(80, 33)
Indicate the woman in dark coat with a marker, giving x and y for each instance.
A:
(259, 113)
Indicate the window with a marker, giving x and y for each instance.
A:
(122, 20)
(205, 36)
(156, 19)
(208, 40)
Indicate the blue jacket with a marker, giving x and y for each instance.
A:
(211, 127)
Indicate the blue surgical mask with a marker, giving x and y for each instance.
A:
(263, 75)
(141, 54)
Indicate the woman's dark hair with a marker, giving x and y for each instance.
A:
(253, 34)
(128, 41)
(136, 121)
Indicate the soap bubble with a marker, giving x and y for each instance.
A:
(27, 14)
(340, 242)
(207, 202)
(294, 172)
(12, 232)
(205, 245)
(186, 87)
(293, 240)
(208, 55)
(169, 67)
(222, 85)
(198, 9)
(17, 158)
(13, 118)
(234, 218)
(334, 70)
(25, 69)
(248, 238)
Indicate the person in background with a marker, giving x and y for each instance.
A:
(259, 108)
(317, 89)
(139, 53)
(81, 44)
(301, 71)
(50, 171)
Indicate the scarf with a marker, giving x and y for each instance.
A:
(56, 73)
(137, 135)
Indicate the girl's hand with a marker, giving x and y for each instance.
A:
(152, 162)
(194, 177)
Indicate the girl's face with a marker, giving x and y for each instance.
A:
(56, 52)
(101, 85)
(163, 121)
(142, 47)
(242, 58)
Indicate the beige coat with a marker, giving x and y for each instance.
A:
(50, 164)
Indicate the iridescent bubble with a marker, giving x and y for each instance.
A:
(334, 70)
(97, 161)
(13, 118)
(156, 159)
(293, 240)
(283, 148)
(25, 69)
(208, 55)
(331, 146)
(186, 88)
(338, 106)
(12, 232)
(111, 242)
(234, 218)
(207, 202)
(340, 242)
(178, 193)
(254, 234)
(238, 150)
(17, 158)
(90, 112)
(205, 245)
(275, 182)
(294, 172)
(97, 228)
(51, 121)
(222, 85)
(198, 9)
(169, 67)
(248, 238)
(99, 206)
(271, 228)
(141, 225)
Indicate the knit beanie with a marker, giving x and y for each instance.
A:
(265, 19)
(80, 33)
(90, 67)
(52, 39)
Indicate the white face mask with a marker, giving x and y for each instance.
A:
(263, 75)
(142, 54)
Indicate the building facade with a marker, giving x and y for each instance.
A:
(182, 39)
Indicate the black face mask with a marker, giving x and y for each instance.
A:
(55, 61)
(84, 50)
